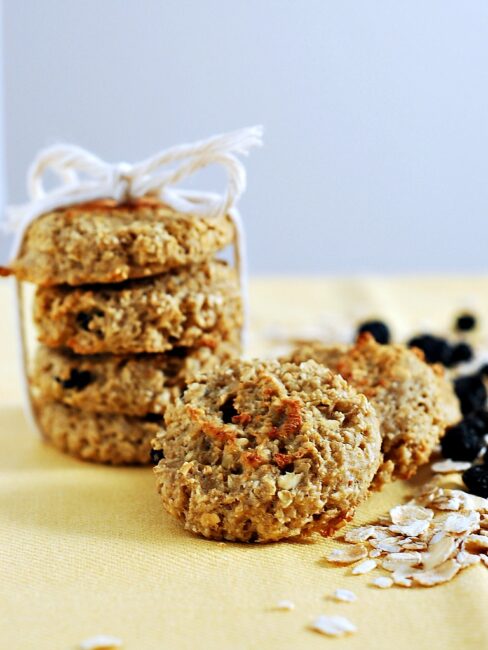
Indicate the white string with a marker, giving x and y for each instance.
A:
(84, 177)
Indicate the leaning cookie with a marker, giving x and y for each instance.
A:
(105, 242)
(261, 451)
(197, 305)
(129, 384)
(114, 439)
(414, 401)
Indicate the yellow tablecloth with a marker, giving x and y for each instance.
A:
(86, 550)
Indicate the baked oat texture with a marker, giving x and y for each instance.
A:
(414, 401)
(129, 384)
(262, 451)
(193, 306)
(105, 242)
(101, 438)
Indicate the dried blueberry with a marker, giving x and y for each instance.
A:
(477, 421)
(228, 410)
(435, 348)
(461, 443)
(476, 480)
(84, 318)
(484, 370)
(77, 379)
(460, 353)
(156, 418)
(465, 322)
(377, 329)
(156, 455)
(471, 392)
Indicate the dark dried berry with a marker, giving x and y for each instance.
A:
(477, 421)
(83, 318)
(435, 348)
(471, 392)
(77, 379)
(156, 455)
(228, 410)
(476, 480)
(465, 322)
(460, 353)
(377, 329)
(156, 418)
(461, 443)
(484, 370)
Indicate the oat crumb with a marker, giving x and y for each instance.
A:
(101, 642)
(285, 605)
(383, 582)
(333, 625)
(344, 596)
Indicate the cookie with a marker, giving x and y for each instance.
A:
(414, 401)
(196, 305)
(130, 384)
(105, 242)
(101, 438)
(261, 451)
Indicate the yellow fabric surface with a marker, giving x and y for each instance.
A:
(86, 549)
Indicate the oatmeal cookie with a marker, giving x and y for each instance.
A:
(129, 384)
(197, 305)
(414, 400)
(261, 451)
(114, 439)
(106, 242)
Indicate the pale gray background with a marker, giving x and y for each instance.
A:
(376, 154)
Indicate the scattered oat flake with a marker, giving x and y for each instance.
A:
(401, 579)
(375, 553)
(439, 552)
(467, 559)
(360, 534)
(383, 582)
(347, 555)
(412, 529)
(476, 543)
(410, 513)
(387, 546)
(101, 642)
(460, 523)
(333, 625)
(344, 596)
(448, 466)
(364, 567)
(285, 605)
(438, 575)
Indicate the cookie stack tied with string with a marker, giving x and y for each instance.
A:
(132, 301)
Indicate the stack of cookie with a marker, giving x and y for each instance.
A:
(132, 304)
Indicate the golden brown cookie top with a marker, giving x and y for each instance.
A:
(293, 446)
(106, 242)
(414, 400)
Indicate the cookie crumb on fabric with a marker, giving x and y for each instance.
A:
(333, 625)
(344, 596)
(285, 605)
(101, 642)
